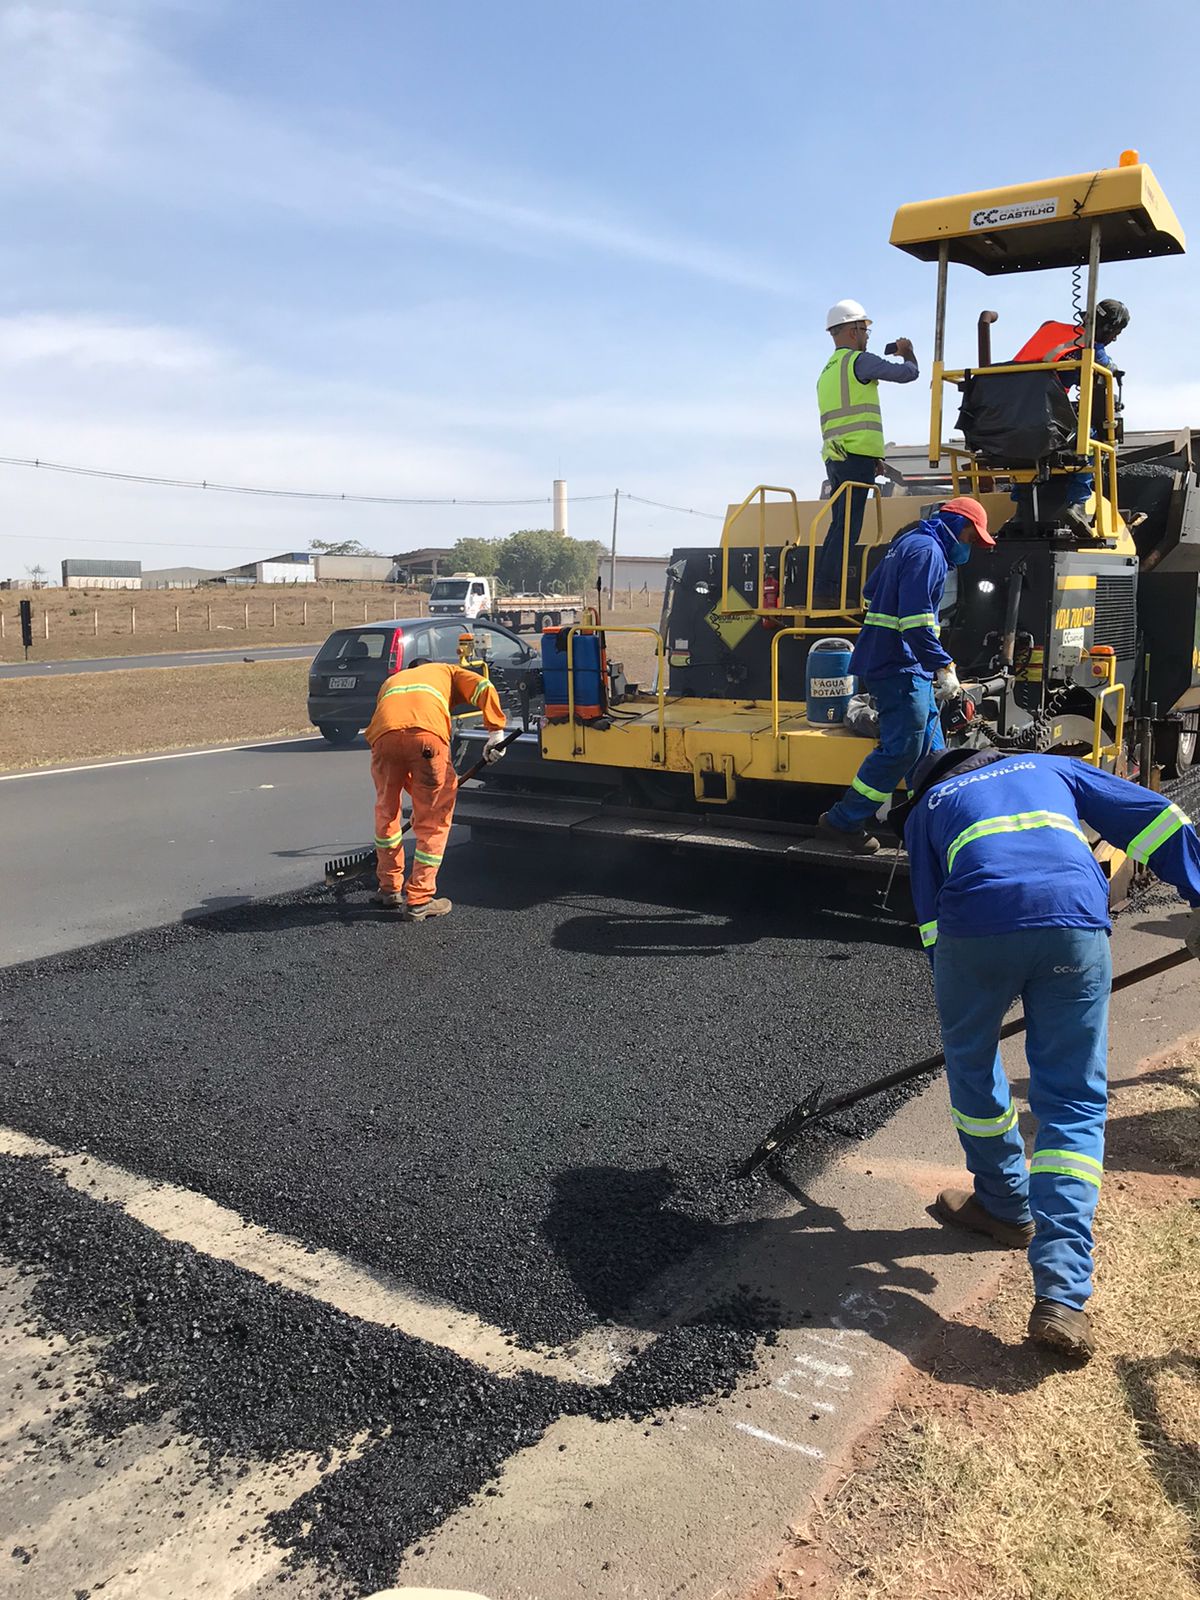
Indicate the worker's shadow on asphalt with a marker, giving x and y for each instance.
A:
(312, 908)
(641, 1261)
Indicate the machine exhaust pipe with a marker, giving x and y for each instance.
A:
(984, 336)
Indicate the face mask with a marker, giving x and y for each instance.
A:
(960, 554)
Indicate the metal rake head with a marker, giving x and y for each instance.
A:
(782, 1134)
(343, 867)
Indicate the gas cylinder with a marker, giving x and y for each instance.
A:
(770, 591)
(829, 685)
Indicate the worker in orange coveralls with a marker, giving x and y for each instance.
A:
(409, 736)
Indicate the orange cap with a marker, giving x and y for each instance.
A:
(975, 515)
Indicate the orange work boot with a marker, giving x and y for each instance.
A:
(961, 1209)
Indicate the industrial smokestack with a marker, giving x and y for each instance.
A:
(560, 505)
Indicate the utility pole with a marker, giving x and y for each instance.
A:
(612, 560)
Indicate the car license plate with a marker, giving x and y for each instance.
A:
(342, 683)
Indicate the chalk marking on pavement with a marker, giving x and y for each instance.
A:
(185, 1216)
(170, 755)
(773, 1438)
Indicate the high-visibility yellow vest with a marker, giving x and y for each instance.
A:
(851, 421)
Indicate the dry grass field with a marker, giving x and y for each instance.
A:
(82, 623)
(88, 716)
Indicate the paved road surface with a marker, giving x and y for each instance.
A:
(181, 658)
(418, 1137)
(103, 850)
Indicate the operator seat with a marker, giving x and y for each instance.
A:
(1017, 419)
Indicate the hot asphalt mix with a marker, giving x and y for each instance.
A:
(527, 1109)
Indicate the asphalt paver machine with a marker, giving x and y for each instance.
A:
(730, 748)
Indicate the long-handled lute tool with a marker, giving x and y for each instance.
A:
(813, 1108)
(342, 870)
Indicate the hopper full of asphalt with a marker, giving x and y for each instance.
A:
(525, 1109)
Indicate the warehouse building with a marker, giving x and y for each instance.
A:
(88, 574)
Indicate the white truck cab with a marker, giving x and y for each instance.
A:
(461, 595)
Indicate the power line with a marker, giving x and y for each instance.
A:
(281, 494)
(688, 511)
(161, 482)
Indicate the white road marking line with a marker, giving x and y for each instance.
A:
(171, 755)
(786, 1444)
(218, 1231)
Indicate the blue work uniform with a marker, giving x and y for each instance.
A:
(840, 469)
(895, 658)
(1011, 902)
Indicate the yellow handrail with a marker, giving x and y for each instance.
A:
(780, 633)
(841, 489)
(1101, 753)
(759, 493)
(659, 755)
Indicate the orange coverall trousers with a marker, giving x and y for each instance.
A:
(419, 761)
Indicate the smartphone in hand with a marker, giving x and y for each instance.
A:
(891, 349)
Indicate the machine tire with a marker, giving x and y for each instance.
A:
(541, 622)
(1175, 745)
(338, 733)
(556, 620)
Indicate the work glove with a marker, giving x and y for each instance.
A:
(1191, 934)
(946, 684)
(493, 749)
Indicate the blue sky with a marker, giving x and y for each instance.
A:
(459, 249)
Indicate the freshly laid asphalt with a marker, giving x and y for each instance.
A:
(179, 658)
(527, 1109)
(494, 1107)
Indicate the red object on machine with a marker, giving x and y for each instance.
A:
(1054, 341)
(770, 591)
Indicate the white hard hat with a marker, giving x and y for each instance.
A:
(845, 311)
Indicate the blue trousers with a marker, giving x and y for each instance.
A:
(909, 725)
(1079, 488)
(827, 582)
(1063, 975)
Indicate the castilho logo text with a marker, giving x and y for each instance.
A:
(1023, 211)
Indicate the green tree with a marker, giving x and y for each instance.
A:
(539, 559)
(340, 547)
(476, 555)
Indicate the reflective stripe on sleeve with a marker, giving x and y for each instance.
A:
(884, 619)
(928, 931)
(1067, 1164)
(1167, 823)
(390, 843)
(426, 858)
(919, 619)
(985, 1127)
(871, 794)
(480, 690)
(1019, 822)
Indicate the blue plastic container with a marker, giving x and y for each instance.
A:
(828, 686)
(586, 662)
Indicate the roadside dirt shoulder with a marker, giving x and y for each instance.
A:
(1030, 1477)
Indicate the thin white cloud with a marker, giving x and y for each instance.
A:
(87, 95)
(85, 342)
